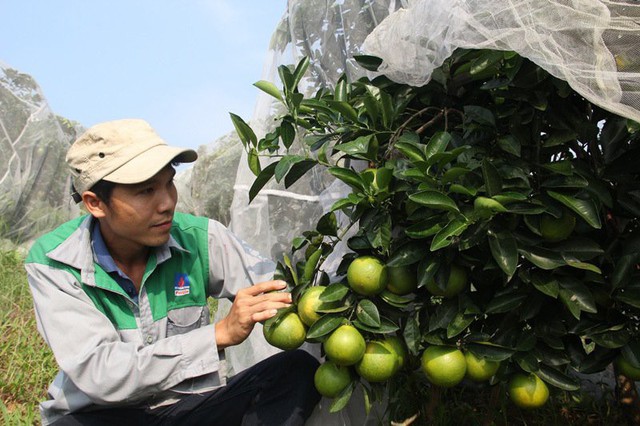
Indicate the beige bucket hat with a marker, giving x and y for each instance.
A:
(121, 151)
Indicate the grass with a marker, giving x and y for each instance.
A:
(27, 367)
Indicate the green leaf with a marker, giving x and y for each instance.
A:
(254, 161)
(387, 109)
(454, 173)
(527, 361)
(459, 189)
(411, 335)
(325, 325)
(575, 263)
(546, 285)
(245, 133)
(479, 115)
(445, 236)
(378, 231)
(424, 229)
(558, 137)
(328, 225)
(300, 70)
(334, 293)
(575, 294)
(269, 88)
(492, 179)
(367, 313)
(291, 269)
(573, 181)
(408, 254)
(563, 167)
(631, 352)
(345, 109)
(580, 248)
(386, 326)
(287, 79)
(348, 176)
(505, 303)
(623, 270)
(557, 378)
(368, 62)
(629, 295)
(287, 134)
(504, 250)
(435, 200)
(437, 144)
(409, 145)
(612, 339)
(358, 147)
(509, 144)
(285, 164)
(459, 324)
(298, 170)
(443, 316)
(542, 258)
(311, 264)
(586, 209)
(342, 399)
(490, 351)
(265, 175)
(396, 300)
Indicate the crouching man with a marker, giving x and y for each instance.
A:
(120, 296)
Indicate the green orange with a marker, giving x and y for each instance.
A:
(444, 366)
(308, 303)
(330, 379)
(528, 391)
(287, 332)
(480, 369)
(456, 282)
(379, 362)
(401, 280)
(345, 345)
(367, 275)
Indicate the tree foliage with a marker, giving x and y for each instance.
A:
(470, 170)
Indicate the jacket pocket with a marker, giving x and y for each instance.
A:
(183, 320)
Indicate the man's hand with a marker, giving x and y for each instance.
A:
(251, 305)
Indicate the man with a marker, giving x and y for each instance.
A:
(120, 296)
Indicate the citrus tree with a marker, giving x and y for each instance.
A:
(492, 222)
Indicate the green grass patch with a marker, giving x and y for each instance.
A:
(27, 365)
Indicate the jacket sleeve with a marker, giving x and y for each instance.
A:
(233, 264)
(89, 350)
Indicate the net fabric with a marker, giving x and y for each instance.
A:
(592, 44)
(34, 183)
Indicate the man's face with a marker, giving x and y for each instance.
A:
(140, 215)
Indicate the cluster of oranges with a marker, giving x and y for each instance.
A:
(377, 360)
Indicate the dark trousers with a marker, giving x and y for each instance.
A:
(277, 391)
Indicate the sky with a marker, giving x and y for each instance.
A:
(180, 65)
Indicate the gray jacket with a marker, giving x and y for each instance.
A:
(114, 352)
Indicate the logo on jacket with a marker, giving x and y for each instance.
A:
(181, 285)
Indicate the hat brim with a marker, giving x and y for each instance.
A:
(146, 165)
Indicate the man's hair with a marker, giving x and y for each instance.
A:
(103, 190)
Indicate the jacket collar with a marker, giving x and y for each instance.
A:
(76, 251)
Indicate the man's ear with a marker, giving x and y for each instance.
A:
(93, 204)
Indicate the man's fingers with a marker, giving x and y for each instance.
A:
(264, 315)
(265, 287)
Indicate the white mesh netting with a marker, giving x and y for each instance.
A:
(594, 45)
